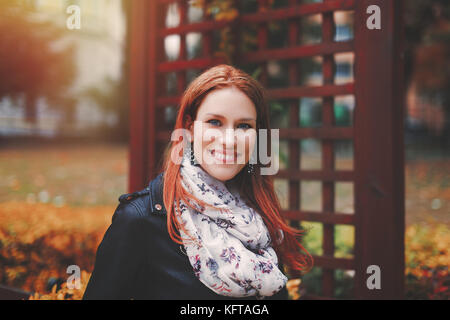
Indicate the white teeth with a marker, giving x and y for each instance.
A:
(221, 157)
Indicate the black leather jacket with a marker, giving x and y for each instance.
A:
(138, 260)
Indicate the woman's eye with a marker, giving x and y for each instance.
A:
(214, 122)
(217, 123)
(244, 126)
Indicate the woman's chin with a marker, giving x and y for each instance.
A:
(223, 172)
(210, 160)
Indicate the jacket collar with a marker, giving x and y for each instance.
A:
(156, 195)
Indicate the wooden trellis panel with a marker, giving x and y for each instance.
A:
(376, 130)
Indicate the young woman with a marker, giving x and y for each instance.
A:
(209, 225)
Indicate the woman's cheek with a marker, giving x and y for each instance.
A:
(246, 143)
(252, 147)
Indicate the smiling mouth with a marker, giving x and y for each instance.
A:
(224, 157)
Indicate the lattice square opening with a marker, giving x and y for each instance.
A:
(344, 71)
(343, 155)
(311, 195)
(277, 72)
(194, 45)
(172, 44)
(344, 241)
(311, 154)
(310, 112)
(343, 284)
(310, 71)
(277, 34)
(313, 237)
(194, 13)
(344, 197)
(284, 154)
(191, 74)
(281, 187)
(279, 113)
(344, 25)
(344, 107)
(171, 83)
(170, 115)
(310, 28)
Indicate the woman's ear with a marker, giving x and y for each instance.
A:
(190, 125)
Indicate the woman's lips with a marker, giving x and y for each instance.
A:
(224, 157)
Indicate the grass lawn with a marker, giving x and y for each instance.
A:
(73, 175)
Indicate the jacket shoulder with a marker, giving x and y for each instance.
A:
(128, 197)
(149, 199)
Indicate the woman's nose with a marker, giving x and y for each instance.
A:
(228, 137)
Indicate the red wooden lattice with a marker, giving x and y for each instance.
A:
(375, 132)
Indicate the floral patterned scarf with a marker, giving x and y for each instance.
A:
(232, 253)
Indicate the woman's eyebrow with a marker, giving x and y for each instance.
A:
(220, 116)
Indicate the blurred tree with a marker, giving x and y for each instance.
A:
(427, 51)
(122, 105)
(426, 22)
(34, 60)
(112, 96)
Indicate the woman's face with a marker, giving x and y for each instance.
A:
(224, 132)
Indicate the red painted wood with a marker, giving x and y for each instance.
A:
(267, 15)
(331, 262)
(180, 65)
(308, 296)
(311, 91)
(286, 93)
(155, 86)
(328, 67)
(207, 45)
(297, 11)
(296, 133)
(138, 161)
(181, 73)
(298, 52)
(325, 217)
(379, 151)
(377, 131)
(169, 1)
(331, 133)
(262, 44)
(167, 101)
(316, 175)
(294, 122)
(203, 26)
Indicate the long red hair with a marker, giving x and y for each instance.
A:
(257, 189)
